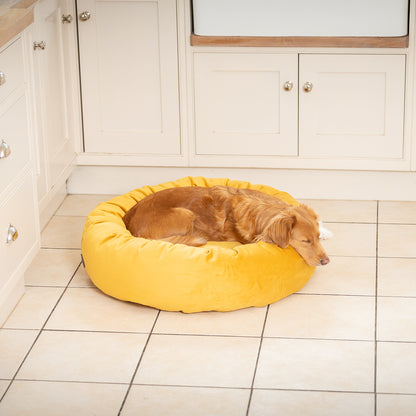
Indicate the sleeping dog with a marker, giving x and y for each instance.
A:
(195, 215)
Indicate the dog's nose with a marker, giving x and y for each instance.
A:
(324, 261)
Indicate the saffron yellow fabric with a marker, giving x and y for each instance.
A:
(175, 277)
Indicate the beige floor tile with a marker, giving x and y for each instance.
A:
(396, 405)
(42, 398)
(34, 307)
(63, 232)
(182, 401)
(308, 403)
(322, 316)
(14, 345)
(198, 361)
(52, 267)
(81, 279)
(246, 322)
(316, 365)
(397, 212)
(396, 277)
(344, 276)
(357, 240)
(396, 367)
(89, 309)
(396, 240)
(3, 386)
(83, 356)
(344, 211)
(396, 319)
(81, 205)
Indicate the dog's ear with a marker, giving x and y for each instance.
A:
(280, 228)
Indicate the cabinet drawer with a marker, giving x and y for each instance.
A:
(12, 67)
(14, 133)
(19, 211)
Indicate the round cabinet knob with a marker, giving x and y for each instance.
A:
(85, 16)
(39, 45)
(288, 85)
(4, 150)
(2, 77)
(307, 86)
(12, 234)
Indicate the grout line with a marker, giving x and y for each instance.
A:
(40, 332)
(375, 315)
(31, 380)
(209, 335)
(209, 387)
(138, 364)
(60, 248)
(257, 360)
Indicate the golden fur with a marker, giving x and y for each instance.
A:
(195, 215)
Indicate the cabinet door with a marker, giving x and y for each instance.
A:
(129, 76)
(241, 105)
(355, 107)
(52, 92)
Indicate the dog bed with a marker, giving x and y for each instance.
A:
(220, 276)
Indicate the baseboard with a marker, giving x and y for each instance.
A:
(50, 203)
(305, 184)
(13, 290)
(10, 296)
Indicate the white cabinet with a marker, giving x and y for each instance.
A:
(55, 93)
(336, 107)
(19, 223)
(242, 106)
(129, 76)
(355, 107)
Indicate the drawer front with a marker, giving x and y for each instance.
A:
(18, 211)
(12, 69)
(14, 142)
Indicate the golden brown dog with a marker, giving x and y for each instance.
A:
(195, 215)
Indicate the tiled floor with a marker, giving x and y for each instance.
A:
(344, 345)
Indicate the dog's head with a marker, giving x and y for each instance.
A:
(298, 227)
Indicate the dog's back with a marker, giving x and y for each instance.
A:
(195, 215)
(204, 212)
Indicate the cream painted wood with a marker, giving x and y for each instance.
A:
(129, 75)
(241, 105)
(24, 220)
(14, 131)
(355, 108)
(11, 64)
(18, 205)
(53, 93)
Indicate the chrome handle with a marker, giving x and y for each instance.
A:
(84, 16)
(12, 234)
(288, 85)
(307, 86)
(39, 45)
(67, 18)
(4, 150)
(2, 77)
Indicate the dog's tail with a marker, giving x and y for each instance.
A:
(189, 240)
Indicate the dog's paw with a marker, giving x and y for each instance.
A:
(324, 234)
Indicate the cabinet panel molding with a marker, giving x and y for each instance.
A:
(129, 76)
(242, 106)
(356, 106)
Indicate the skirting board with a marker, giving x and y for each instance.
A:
(302, 184)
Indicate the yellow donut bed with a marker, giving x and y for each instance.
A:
(220, 276)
